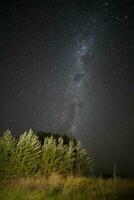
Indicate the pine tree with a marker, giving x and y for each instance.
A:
(84, 164)
(7, 153)
(28, 153)
(48, 155)
(59, 155)
(53, 155)
(69, 158)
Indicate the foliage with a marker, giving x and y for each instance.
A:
(84, 163)
(7, 153)
(69, 160)
(28, 153)
(27, 156)
(53, 154)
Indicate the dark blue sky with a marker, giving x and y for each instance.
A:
(66, 66)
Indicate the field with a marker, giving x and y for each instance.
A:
(71, 188)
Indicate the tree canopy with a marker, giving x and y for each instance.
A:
(42, 154)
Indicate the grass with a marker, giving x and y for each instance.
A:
(71, 188)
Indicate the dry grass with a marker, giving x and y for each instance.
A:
(58, 187)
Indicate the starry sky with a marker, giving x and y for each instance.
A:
(66, 66)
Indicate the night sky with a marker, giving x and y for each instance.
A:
(66, 66)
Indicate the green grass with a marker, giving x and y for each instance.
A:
(72, 188)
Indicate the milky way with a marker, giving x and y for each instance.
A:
(76, 101)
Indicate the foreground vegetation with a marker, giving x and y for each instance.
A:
(53, 167)
(29, 156)
(56, 187)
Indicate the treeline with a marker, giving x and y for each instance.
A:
(36, 154)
